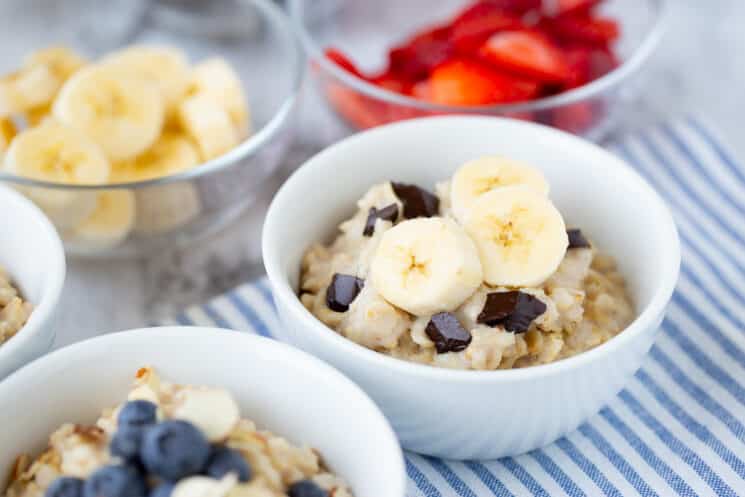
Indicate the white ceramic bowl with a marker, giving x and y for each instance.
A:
(31, 252)
(488, 414)
(281, 388)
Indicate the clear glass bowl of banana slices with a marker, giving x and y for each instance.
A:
(138, 126)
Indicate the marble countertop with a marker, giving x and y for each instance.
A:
(695, 70)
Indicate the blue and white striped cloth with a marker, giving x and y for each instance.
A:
(679, 426)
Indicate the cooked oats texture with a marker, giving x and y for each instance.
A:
(14, 310)
(79, 450)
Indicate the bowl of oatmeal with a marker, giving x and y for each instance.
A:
(32, 273)
(490, 283)
(255, 421)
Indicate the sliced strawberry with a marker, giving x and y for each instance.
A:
(416, 58)
(576, 118)
(528, 53)
(516, 6)
(476, 24)
(602, 61)
(578, 61)
(391, 81)
(585, 29)
(562, 7)
(465, 82)
(340, 59)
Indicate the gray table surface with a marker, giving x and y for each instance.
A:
(699, 68)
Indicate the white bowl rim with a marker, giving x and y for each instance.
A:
(655, 308)
(43, 309)
(104, 343)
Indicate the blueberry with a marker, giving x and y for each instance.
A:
(65, 487)
(306, 488)
(224, 460)
(115, 481)
(138, 413)
(165, 489)
(126, 442)
(174, 449)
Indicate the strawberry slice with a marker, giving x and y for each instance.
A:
(391, 81)
(416, 58)
(466, 82)
(528, 53)
(562, 7)
(477, 23)
(515, 6)
(587, 64)
(341, 60)
(576, 118)
(585, 29)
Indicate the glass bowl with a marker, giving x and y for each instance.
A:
(253, 35)
(365, 31)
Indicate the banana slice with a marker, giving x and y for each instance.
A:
(110, 223)
(212, 410)
(123, 114)
(479, 176)
(55, 153)
(26, 89)
(520, 235)
(61, 60)
(38, 115)
(215, 77)
(172, 153)
(204, 486)
(8, 131)
(209, 125)
(164, 208)
(426, 265)
(166, 67)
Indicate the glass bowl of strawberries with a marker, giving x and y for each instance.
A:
(571, 64)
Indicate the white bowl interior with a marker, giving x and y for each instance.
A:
(593, 189)
(32, 254)
(282, 389)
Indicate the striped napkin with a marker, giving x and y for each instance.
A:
(678, 428)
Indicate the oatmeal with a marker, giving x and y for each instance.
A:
(169, 439)
(14, 310)
(483, 274)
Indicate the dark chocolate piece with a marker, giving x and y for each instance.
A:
(389, 213)
(417, 202)
(577, 239)
(342, 291)
(513, 310)
(448, 334)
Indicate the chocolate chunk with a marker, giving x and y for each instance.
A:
(448, 334)
(389, 213)
(342, 291)
(417, 202)
(577, 239)
(513, 310)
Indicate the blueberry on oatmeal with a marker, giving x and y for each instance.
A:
(306, 488)
(164, 489)
(126, 442)
(65, 487)
(202, 447)
(174, 449)
(115, 481)
(224, 460)
(138, 413)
